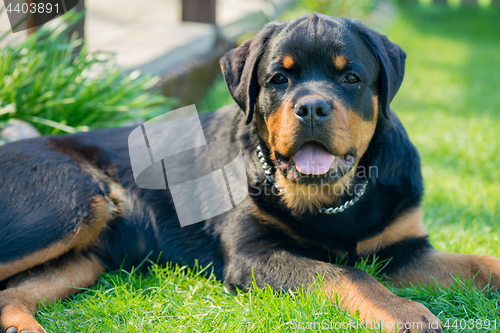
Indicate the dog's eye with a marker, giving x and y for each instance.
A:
(350, 78)
(279, 79)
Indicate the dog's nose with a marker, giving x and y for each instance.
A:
(312, 110)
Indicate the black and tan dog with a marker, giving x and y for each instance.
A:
(316, 121)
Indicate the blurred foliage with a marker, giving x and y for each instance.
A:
(452, 3)
(46, 82)
(340, 8)
(216, 97)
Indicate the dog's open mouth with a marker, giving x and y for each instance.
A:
(314, 161)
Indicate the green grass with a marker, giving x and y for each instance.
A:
(449, 104)
(43, 81)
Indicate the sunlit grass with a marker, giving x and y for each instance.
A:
(449, 105)
(182, 300)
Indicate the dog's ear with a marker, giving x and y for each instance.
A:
(391, 59)
(239, 67)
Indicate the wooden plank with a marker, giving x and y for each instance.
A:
(199, 11)
(31, 20)
(35, 20)
(39, 18)
(80, 25)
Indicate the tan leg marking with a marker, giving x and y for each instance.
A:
(82, 238)
(376, 303)
(434, 265)
(17, 316)
(102, 211)
(31, 260)
(409, 224)
(19, 302)
(440, 266)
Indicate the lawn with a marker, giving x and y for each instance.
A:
(449, 104)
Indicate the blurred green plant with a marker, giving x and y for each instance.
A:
(216, 97)
(46, 82)
(340, 8)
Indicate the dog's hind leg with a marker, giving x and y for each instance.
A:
(46, 283)
(76, 236)
(48, 274)
(435, 266)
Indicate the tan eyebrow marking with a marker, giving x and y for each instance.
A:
(287, 62)
(340, 62)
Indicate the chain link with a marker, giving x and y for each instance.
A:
(330, 210)
(268, 170)
(341, 208)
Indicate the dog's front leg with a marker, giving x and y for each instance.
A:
(352, 288)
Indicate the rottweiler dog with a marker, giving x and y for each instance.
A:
(334, 177)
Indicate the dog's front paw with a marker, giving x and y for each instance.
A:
(15, 320)
(400, 315)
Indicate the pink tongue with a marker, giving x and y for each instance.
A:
(313, 159)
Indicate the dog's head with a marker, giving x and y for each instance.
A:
(316, 87)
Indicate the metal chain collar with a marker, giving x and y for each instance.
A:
(267, 170)
(330, 210)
